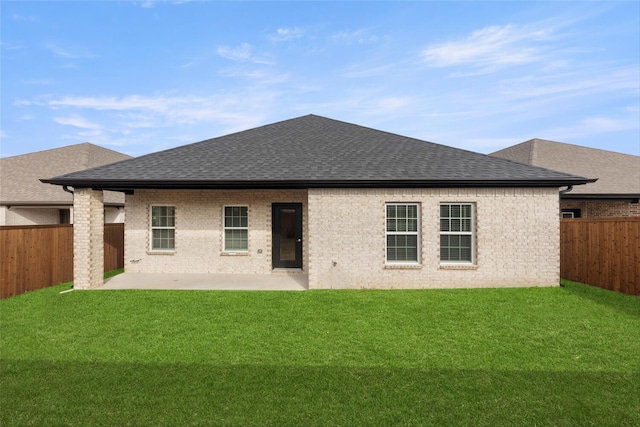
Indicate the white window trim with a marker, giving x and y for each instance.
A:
(151, 228)
(471, 233)
(225, 228)
(407, 233)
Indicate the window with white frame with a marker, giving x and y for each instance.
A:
(163, 228)
(457, 233)
(403, 239)
(236, 228)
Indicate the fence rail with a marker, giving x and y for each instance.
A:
(37, 256)
(603, 252)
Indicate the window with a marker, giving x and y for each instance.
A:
(402, 233)
(456, 233)
(571, 213)
(163, 228)
(65, 216)
(236, 228)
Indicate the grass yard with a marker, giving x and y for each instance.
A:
(543, 356)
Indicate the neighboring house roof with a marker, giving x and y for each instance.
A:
(313, 151)
(20, 175)
(618, 174)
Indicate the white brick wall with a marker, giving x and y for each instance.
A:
(88, 238)
(199, 230)
(517, 238)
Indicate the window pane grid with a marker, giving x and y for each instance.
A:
(236, 228)
(402, 218)
(456, 232)
(402, 233)
(163, 227)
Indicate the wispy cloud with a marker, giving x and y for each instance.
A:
(393, 103)
(240, 53)
(150, 4)
(491, 48)
(595, 125)
(285, 34)
(24, 18)
(361, 36)
(10, 46)
(574, 83)
(143, 121)
(191, 63)
(77, 121)
(137, 112)
(364, 70)
(362, 103)
(132, 102)
(69, 53)
(38, 82)
(261, 77)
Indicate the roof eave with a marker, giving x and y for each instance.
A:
(48, 203)
(128, 185)
(601, 196)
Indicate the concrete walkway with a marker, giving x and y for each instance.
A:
(220, 282)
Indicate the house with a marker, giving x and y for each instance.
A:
(615, 193)
(24, 200)
(349, 206)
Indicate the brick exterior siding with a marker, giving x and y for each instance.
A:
(88, 238)
(517, 233)
(603, 209)
(199, 231)
(517, 239)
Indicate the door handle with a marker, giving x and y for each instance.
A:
(299, 240)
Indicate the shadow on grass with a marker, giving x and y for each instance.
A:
(103, 394)
(627, 304)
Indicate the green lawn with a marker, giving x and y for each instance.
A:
(543, 356)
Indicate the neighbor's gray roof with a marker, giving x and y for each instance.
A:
(20, 175)
(313, 151)
(618, 174)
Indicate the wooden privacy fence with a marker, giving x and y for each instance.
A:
(37, 256)
(603, 252)
(113, 247)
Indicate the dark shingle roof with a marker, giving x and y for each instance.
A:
(312, 151)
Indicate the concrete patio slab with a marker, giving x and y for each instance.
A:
(220, 282)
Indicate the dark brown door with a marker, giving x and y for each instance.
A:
(287, 235)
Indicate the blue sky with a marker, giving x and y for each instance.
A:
(139, 77)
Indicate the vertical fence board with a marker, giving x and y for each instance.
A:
(35, 257)
(113, 246)
(603, 252)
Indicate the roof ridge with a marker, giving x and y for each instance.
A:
(85, 146)
(582, 147)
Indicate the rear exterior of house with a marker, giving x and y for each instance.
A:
(366, 209)
(465, 237)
